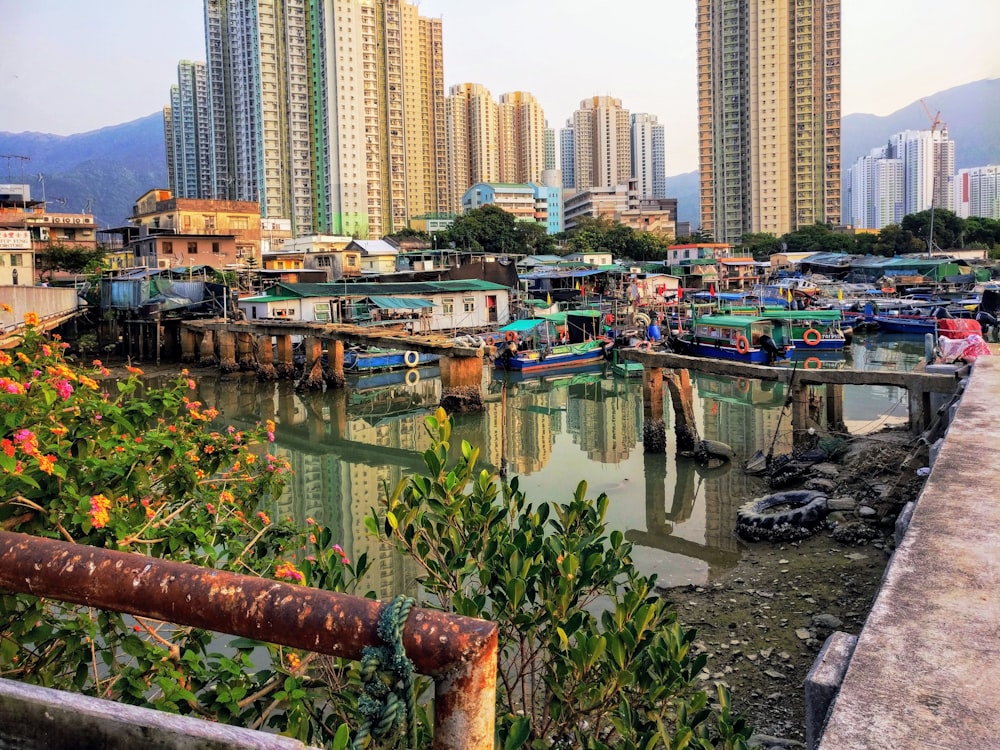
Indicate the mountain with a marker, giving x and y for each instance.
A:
(107, 168)
(111, 167)
(971, 113)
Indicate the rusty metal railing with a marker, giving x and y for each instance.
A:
(459, 653)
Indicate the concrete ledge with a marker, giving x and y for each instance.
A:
(37, 718)
(824, 680)
(927, 663)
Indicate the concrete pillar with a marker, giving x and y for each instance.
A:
(919, 403)
(835, 407)
(206, 350)
(227, 351)
(189, 345)
(244, 351)
(460, 380)
(312, 376)
(800, 416)
(823, 682)
(286, 404)
(335, 363)
(654, 432)
(682, 400)
(286, 365)
(265, 359)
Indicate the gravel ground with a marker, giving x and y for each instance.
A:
(763, 624)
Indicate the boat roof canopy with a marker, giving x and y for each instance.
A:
(527, 324)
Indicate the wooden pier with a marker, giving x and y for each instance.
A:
(266, 347)
(925, 390)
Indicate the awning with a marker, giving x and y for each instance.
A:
(400, 303)
(521, 326)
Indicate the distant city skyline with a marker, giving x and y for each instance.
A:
(70, 67)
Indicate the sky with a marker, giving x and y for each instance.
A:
(69, 66)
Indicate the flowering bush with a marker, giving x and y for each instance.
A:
(120, 465)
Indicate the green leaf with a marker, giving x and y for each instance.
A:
(520, 729)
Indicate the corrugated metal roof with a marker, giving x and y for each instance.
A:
(399, 303)
(387, 289)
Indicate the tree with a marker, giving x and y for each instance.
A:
(533, 239)
(761, 245)
(646, 246)
(74, 259)
(488, 228)
(980, 232)
(894, 240)
(948, 227)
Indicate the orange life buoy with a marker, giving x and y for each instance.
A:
(743, 384)
(644, 346)
(609, 318)
(489, 341)
(511, 335)
(812, 337)
(813, 363)
(742, 345)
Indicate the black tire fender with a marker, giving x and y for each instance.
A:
(806, 511)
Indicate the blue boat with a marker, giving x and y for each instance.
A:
(371, 359)
(532, 345)
(741, 338)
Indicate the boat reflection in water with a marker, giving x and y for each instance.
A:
(347, 445)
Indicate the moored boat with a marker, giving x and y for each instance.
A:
(532, 345)
(372, 358)
(819, 330)
(742, 338)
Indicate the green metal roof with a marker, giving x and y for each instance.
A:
(399, 303)
(730, 321)
(269, 298)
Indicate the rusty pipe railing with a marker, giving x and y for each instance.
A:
(460, 653)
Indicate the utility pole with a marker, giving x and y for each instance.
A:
(936, 151)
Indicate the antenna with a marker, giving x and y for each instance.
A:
(8, 157)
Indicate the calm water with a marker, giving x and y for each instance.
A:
(346, 445)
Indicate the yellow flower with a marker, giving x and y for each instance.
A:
(31, 319)
(99, 507)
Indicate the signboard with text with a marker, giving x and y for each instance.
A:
(15, 239)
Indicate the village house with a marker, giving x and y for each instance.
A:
(421, 307)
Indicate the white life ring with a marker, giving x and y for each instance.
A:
(411, 358)
(412, 377)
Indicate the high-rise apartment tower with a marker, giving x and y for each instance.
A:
(768, 115)
(602, 155)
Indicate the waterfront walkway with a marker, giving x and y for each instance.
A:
(926, 667)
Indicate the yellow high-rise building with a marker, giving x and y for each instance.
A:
(522, 138)
(768, 115)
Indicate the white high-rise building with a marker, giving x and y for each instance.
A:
(977, 192)
(875, 190)
(910, 174)
(188, 134)
(648, 156)
(928, 168)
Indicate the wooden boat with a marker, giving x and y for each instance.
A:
(373, 358)
(742, 338)
(819, 330)
(544, 351)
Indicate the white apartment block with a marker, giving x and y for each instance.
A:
(602, 150)
(977, 192)
(648, 156)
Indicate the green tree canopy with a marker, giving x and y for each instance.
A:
(947, 227)
(73, 259)
(761, 244)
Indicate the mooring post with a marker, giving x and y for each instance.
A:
(206, 350)
(682, 399)
(654, 432)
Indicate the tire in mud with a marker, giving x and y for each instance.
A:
(782, 516)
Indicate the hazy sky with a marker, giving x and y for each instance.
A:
(70, 66)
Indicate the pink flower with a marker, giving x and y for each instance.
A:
(64, 389)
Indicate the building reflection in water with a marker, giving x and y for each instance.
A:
(347, 446)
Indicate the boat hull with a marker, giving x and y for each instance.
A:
(541, 360)
(755, 356)
(388, 360)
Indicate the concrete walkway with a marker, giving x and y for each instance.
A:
(926, 669)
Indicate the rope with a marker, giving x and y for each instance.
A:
(388, 703)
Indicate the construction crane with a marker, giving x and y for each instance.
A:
(935, 123)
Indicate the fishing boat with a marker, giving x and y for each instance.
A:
(742, 338)
(374, 358)
(819, 330)
(532, 345)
